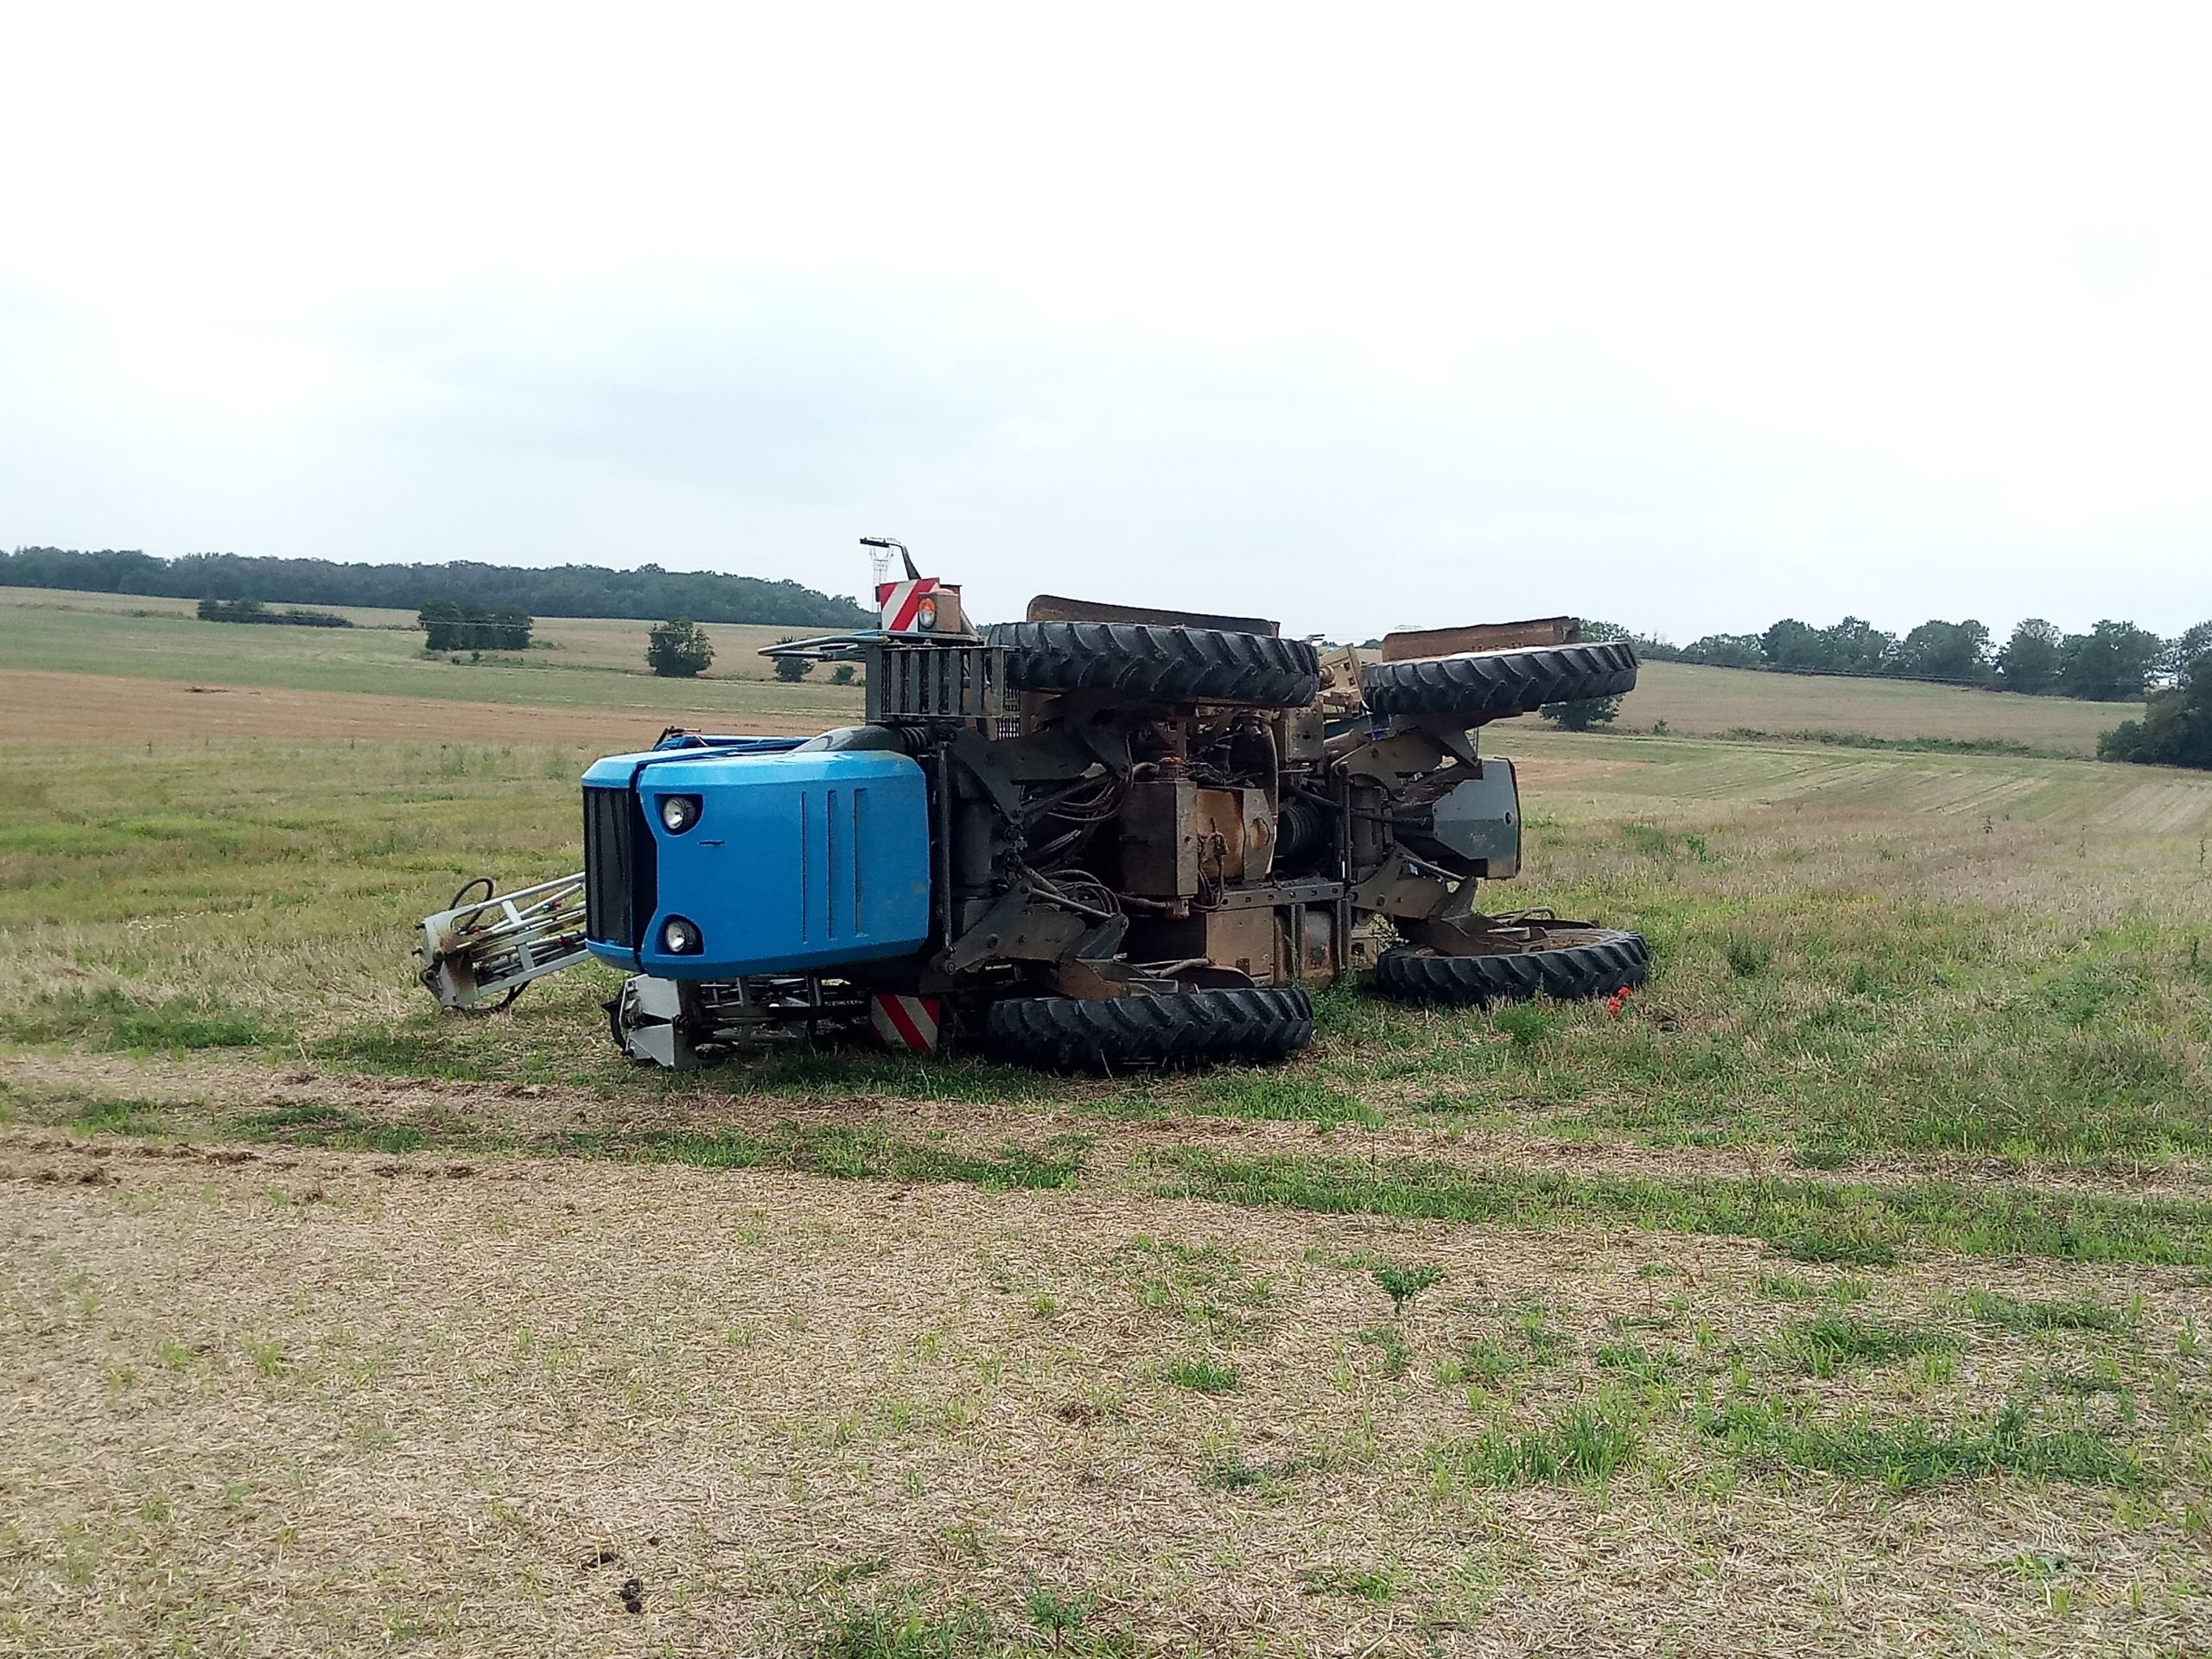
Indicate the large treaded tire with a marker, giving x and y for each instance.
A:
(1160, 664)
(1488, 685)
(1597, 966)
(1149, 1033)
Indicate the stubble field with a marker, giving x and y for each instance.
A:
(1695, 701)
(1849, 1292)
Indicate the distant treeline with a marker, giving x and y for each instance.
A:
(252, 610)
(2115, 662)
(648, 592)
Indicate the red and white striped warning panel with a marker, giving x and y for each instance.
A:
(908, 1022)
(908, 606)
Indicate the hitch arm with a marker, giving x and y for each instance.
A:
(487, 951)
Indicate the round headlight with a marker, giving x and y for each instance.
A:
(679, 938)
(679, 812)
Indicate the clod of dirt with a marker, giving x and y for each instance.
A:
(1074, 1411)
(633, 1596)
(600, 1558)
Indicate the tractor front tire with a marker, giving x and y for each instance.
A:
(1589, 962)
(1492, 684)
(1158, 663)
(1149, 1033)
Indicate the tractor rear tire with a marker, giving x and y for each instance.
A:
(1597, 961)
(1149, 1033)
(1158, 664)
(1491, 684)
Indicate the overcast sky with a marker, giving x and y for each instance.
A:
(1357, 316)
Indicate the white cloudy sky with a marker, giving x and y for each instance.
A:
(1689, 317)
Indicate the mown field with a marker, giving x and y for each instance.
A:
(1694, 701)
(597, 662)
(1849, 1290)
(572, 662)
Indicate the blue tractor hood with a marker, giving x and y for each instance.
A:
(789, 858)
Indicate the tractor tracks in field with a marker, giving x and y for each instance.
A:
(225, 1108)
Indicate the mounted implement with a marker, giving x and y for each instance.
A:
(1098, 837)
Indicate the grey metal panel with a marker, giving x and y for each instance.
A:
(1481, 819)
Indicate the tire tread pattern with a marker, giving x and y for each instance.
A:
(1488, 685)
(1160, 664)
(1598, 968)
(1137, 1033)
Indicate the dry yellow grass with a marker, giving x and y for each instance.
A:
(1713, 702)
(580, 664)
(581, 642)
(315, 1402)
(50, 705)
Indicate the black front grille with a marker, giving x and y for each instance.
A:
(619, 866)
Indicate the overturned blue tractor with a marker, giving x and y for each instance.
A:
(1097, 838)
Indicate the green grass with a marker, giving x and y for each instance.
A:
(1747, 954)
(1269, 1098)
(845, 1152)
(1376, 1585)
(852, 1154)
(107, 1019)
(1396, 1357)
(902, 1632)
(1970, 954)
(1813, 1220)
(2032, 1317)
(1233, 1474)
(1636, 1363)
(1485, 1362)
(1206, 1286)
(1924, 745)
(1830, 1343)
(109, 1117)
(1580, 1445)
(1915, 1453)
(1203, 1376)
(331, 1125)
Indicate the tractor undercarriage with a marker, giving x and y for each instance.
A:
(1095, 838)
